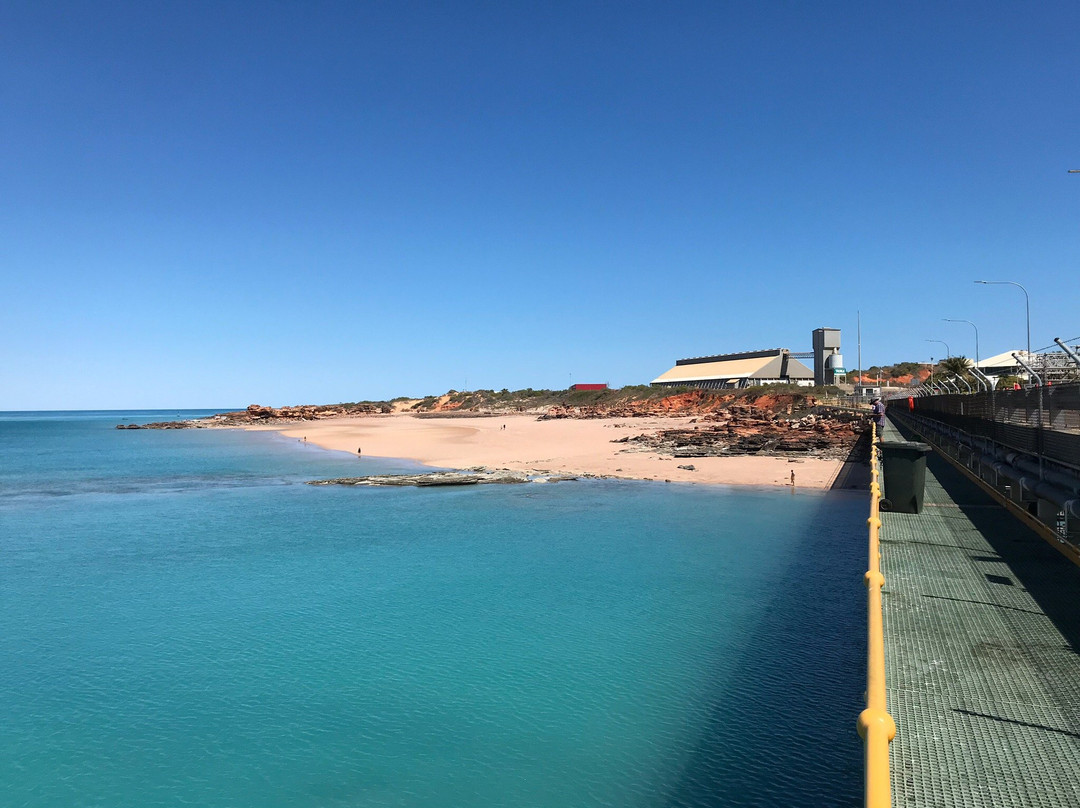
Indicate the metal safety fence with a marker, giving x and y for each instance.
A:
(1042, 421)
(1043, 492)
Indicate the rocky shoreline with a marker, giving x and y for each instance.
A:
(778, 425)
(258, 414)
(740, 431)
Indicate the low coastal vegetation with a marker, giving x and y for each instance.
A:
(529, 399)
(630, 401)
(631, 397)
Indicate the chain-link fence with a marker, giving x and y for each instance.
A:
(1043, 421)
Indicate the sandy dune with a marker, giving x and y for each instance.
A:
(522, 443)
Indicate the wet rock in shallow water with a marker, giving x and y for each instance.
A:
(478, 476)
(164, 425)
(434, 478)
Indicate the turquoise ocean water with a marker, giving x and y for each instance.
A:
(184, 623)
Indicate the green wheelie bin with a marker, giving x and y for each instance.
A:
(903, 466)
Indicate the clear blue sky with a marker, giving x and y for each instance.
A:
(214, 204)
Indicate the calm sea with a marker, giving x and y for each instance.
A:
(184, 623)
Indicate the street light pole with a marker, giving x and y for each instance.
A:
(947, 320)
(948, 353)
(1027, 308)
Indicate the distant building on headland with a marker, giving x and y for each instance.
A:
(753, 368)
(588, 387)
(737, 370)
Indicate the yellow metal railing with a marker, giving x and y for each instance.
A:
(876, 726)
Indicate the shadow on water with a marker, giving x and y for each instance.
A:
(781, 729)
(1050, 578)
(855, 472)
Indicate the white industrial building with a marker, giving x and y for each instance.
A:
(736, 370)
(753, 368)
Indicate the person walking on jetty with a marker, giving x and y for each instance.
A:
(877, 410)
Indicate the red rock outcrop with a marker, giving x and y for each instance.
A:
(747, 430)
(257, 413)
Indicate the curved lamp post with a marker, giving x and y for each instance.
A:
(947, 320)
(948, 353)
(1027, 308)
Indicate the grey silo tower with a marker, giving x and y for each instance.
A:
(827, 358)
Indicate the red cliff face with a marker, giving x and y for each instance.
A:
(696, 402)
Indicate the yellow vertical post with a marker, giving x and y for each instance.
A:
(876, 726)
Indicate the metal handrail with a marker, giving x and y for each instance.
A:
(876, 726)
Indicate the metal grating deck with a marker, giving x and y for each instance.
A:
(982, 633)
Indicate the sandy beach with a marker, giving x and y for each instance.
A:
(570, 446)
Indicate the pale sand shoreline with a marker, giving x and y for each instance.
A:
(566, 446)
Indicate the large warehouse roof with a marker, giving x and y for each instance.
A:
(732, 368)
(1003, 360)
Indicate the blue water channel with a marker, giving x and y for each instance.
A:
(184, 622)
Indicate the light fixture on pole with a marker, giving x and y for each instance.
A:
(948, 353)
(1027, 308)
(947, 320)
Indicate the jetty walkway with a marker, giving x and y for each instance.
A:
(982, 650)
